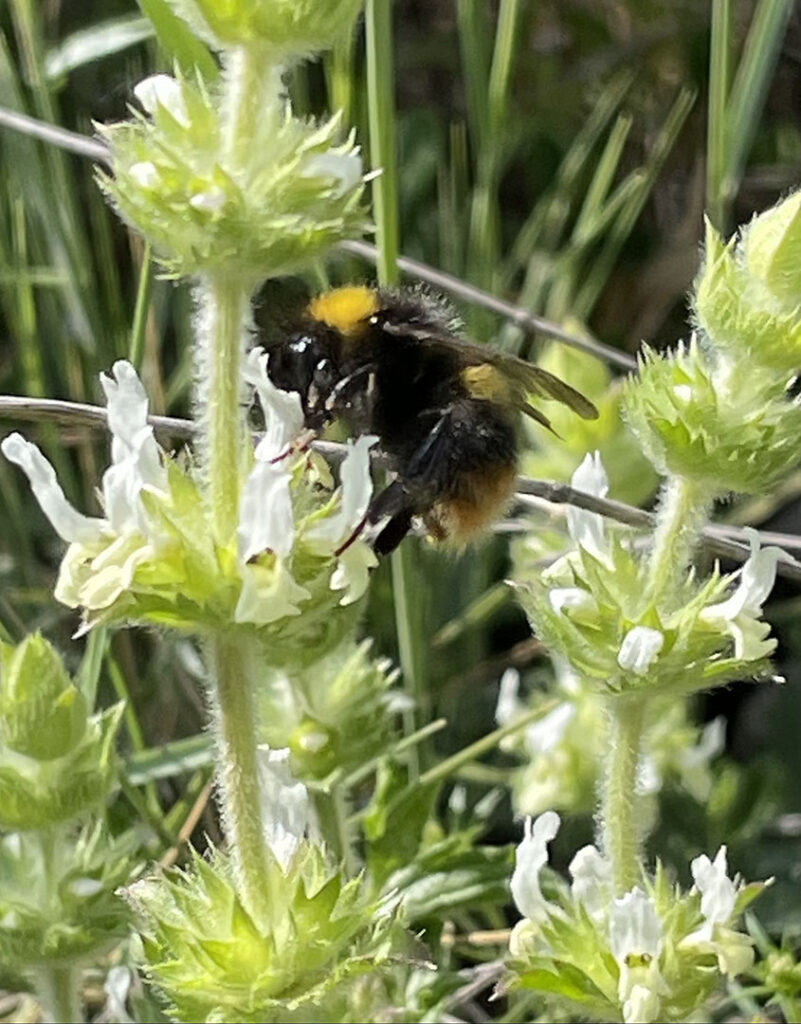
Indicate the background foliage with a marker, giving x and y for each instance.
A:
(558, 154)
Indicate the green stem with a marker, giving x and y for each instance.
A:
(238, 774)
(622, 828)
(58, 988)
(224, 312)
(381, 114)
(682, 512)
(139, 326)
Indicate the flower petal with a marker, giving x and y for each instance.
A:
(592, 881)
(288, 814)
(163, 91)
(509, 704)
(530, 857)
(357, 489)
(71, 525)
(265, 512)
(640, 648)
(634, 927)
(587, 528)
(352, 573)
(283, 414)
(269, 593)
(718, 891)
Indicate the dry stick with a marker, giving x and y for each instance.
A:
(80, 414)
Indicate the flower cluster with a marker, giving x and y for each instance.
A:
(653, 953)
(57, 901)
(717, 411)
(593, 608)
(337, 713)
(56, 760)
(562, 751)
(152, 556)
(212, 961)
(206, 208)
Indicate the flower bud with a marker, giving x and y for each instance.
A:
(727, 427)
(283, 28)
(747, 294)
(296, 191)
(42, 713)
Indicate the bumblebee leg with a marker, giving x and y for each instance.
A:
(301, 444)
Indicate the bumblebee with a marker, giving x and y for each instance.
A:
(392, 363)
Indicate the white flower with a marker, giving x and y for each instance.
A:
(163, 91)
(587, 528)
(145, 174)
(288, 814)
(693, 762)
(343, 169)
(718, 891)
(740, 614)
(733, 950)
(640, 648)
(357, 489)
(545, 735)
(352, 573)
(265, 512)
(136, 466)
(268, 593)
(135, 458)
(210, 201)
(117, 986)
(635, 939)
(574, 600)
(635, 930)
(509, 705)
(283, 413)
(71, 525)
(592, 881)
(530, 857)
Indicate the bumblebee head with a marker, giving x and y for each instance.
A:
(346, 310)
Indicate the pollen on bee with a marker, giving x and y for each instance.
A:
(485, 382)
(346, 309)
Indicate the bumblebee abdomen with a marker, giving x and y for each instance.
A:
(467, 474)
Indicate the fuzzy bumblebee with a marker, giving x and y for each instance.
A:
(392, 363)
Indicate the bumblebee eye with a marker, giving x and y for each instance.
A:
(373, 320)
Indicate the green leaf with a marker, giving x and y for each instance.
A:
(172, 759)
(178, 40)
(94, 43)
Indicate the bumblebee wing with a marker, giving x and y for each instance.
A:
(525, 377)
(534, 379)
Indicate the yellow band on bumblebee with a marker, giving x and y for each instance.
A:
(346, 310)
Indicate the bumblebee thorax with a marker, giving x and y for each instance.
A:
(346, 310)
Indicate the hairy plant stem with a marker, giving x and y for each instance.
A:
(623, 832)
(681, 515)
(58, 989)
(682, 512)
(223, 315)
(238, 773)
(222, 328)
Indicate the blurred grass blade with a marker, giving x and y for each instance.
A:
(716, 135)
(750, 86)
(178, 41)
(186, 755)
(91, 44)
(601, 267)
(92, 662)
(142, 307)
(471, 23)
